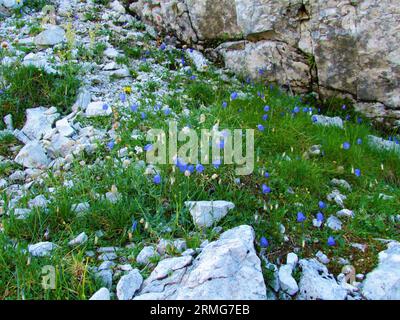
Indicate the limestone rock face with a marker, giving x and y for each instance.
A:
(226, 269)
(343, 48)
(281, 62)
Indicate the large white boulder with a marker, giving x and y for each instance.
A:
(226, 269)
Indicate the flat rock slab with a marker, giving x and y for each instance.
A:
(226, 269)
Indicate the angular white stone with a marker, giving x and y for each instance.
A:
(323, 258)
(102, 294)
(118, 7)
(39, 122)
(80, 207)
(206, 213)
(292, 259)
(341, 183)
(80, 239)
(334, 223)
(64, 128)
(145, 254)
(21, 213)
(39, 201)
(383, 144)
(12, 4)
(61, 146)
(337, 197)
(41, 249)
(3, 183)
(198, 59)
(287, 283)
(111, 53)
(129, 284)
(345, 213)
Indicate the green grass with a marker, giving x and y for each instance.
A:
(6, 140)
(297, 184)
(30, 87)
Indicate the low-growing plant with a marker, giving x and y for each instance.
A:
(30, 87)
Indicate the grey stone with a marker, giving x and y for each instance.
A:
(129, 284)
(102, 294)
(32, 155)
(80, 239)
(51, 36)
(145, 254)
(334, 223)
(41, 249)
(105, 277)
(287, 283)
